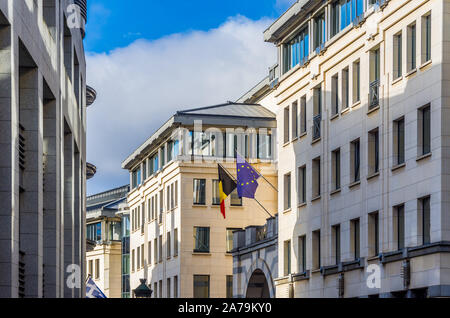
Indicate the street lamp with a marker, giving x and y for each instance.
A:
(142, 291)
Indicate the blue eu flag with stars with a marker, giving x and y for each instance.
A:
(246, 178)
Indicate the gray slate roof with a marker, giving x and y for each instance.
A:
(231, 109)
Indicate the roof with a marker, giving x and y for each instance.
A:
(229, 114)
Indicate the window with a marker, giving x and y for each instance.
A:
(160, 249)
(355, 160)
(345, 88)
(136, 178)
(294, 117)
(142, 256)
(303, 115)
(336, 232)
(355, 238)
(264, 145)
(374, 85)
(230, 239)
(287, 257)
(319, 32)
(155, 290)
(201, 286)
(176, 194)
(163, 156)
(302, 185)
(169, 245)
(399, 141)
(374, 230)
(287, 191)
(97, 268)
(399, 226)
(397, 69)
(94, 231)
(175, 287)
(334, 95)
(91, 267)
(426, 38)
(229, 286)
(356, 82)
(160, 293)
(168, 288)
(155, 250)
(317, 112)
(424, 130)
(334, 18)
(168, 197)
(336, 169)
(316, 249)
(235, 200)
(316, 178)
(286, 125)
(149, 252)
(302, 254)
(425, 220)
(199, 191)
(175, 242)
(172, 196)
(132, 261)
(169, 151)
(201, 239)
(138, 258)
(296, 51)
(411, 37)
(374, 155)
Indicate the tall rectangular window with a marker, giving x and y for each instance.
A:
(399, 226)
(336, 169)
(302, 254)
(160, 248)
(235, 200)
(169, 245)
(176, 194)
(169, 151)
(201, 239)
(229, 286)
(316, 249)
(412, 45)
(230, 239)
(294, 116)
(424, 130)
(336, 230)
(287, 257)
(142, 256)
(355, 239)
(303, 115)
(355, 163)
(345, 88)
(426, 38)
(334, 18)
(175, 287)
(316, 179)
(199, 191)
(91, 267)
(317, 112)
(399, 141)
(138, 258)
(287, 191)
(201, 286)
(425, 220)
(168, 288)
(296, 50)
(334, 95)
(149, 253)
(374, 156)
(175, 242)
(97, 268)
(302, 185)
(397, 58)
(374, 232)
(356, 82)
(155, 250)
(374, 79)
(286, 125)
(215, 192)
(133, 260)
(319, 31)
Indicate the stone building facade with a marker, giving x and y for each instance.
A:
(42, 148)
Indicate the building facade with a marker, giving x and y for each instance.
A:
(255, 260)
(42, 148)
(179, 240)
(107, 227)
(361, 94)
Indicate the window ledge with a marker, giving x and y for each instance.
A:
(287, 211)
(425, 64)
(411, 72)
(201, 253)
(373, 175)
(316, 140)
(315, 271)
(315, 198)
(228, 254)
(294, 139)
(345, 110)
(396, 167)
(301, 205)
(357, 103)
(370, 111)
(423, 156)
(398, 79)
(286, 143)
(373, 258)
(199, 206)
(334, 116)
(237, 206)
(354, 184)
(335, 191)
(303, 134)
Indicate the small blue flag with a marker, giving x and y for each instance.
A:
(246, 178)
(92, 290)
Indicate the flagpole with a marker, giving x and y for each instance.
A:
(259, 173)
(226, 170)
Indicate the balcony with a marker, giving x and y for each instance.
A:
(374, 94)
(316, 127)
(91, 96)
(90, 170)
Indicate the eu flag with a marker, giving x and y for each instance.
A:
(246, 178)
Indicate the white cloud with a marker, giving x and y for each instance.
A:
(140, 86)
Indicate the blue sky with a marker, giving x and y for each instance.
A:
(149, 59)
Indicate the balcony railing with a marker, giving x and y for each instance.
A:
(316, 126)
(374, 94)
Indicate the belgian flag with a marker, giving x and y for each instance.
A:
(226, 186)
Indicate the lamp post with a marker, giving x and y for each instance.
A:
(142, 291)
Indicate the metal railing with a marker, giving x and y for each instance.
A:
(374, 94)
(316, 126)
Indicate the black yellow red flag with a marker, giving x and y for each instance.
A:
(226, 186)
